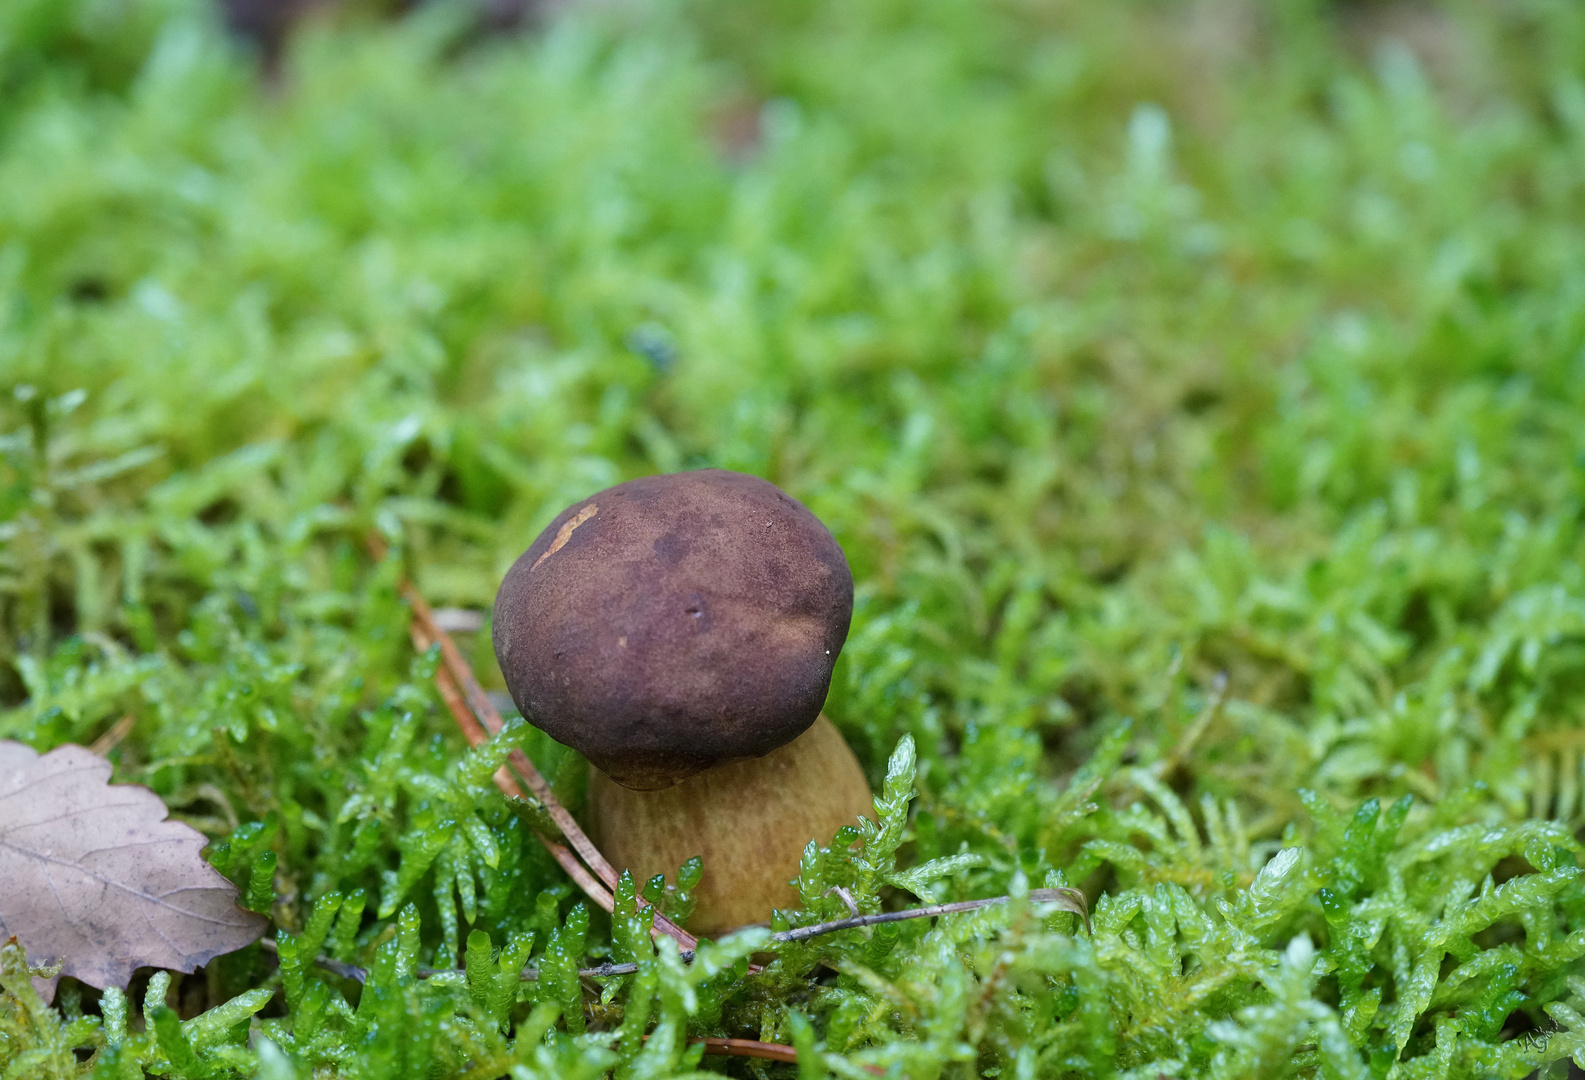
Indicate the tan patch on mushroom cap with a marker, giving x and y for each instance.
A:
(564, 533)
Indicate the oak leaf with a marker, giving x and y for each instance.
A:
(94, 878)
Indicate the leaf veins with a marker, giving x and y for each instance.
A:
(94, 878)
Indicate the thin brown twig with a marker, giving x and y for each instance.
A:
(484, 709)
(360, 975)
(474, 732)
(1070, 899)
(485, 718)
(340, 968)
(113, 735)
(478, 718)
(1185, 744)
(751, 1048)
(747, 1048)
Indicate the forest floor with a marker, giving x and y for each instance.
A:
(1196, 389)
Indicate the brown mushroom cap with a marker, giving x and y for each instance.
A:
(675, 622)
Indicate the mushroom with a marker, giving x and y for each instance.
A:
(679, 631)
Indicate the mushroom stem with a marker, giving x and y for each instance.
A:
(749, 820)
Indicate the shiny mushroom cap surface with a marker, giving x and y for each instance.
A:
(674, 623)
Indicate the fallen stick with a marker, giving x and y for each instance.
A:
(1068, 899)
(768, 1051)
(479, 719)
(474, 732)
(112, 738)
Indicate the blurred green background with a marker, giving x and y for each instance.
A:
(1206, 377)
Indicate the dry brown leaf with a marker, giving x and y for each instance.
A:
(92, 875)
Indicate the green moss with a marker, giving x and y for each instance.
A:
(1197, 391)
